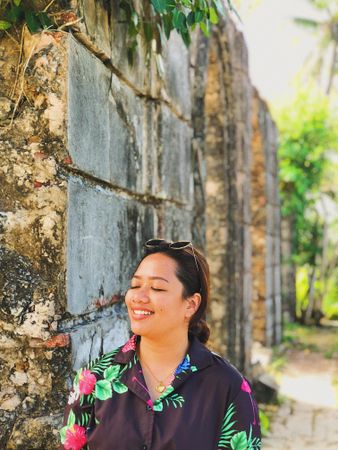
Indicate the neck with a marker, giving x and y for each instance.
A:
(166, 352)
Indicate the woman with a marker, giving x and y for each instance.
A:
(163, 389)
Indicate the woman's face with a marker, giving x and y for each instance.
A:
(155, 302)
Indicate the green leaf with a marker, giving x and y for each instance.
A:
(219, 6)
(111, 372)
(158, 406)
(179, 20)
(193, 368)
(62, 433)
(186, 38)
(14, 14)
(32, 21)
(17, 2)
(159, 5)
(103, 390)
(239, 441)
(198, 16)
(4, 25)
(44, 20)
(191, 18)
(205, 27)
(119, 387)
(167, 24)
(213, 15)
(71, 418)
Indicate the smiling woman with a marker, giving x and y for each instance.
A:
(163, 389)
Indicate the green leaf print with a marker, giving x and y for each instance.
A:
(100, 364)
(158, 405)
(227, 431)
(103, 390)
(119, 387)
(111, 372)
(63, 434)
(71, 419)
(239, 441)
(84, 419)
(176, 400)
(253, 443)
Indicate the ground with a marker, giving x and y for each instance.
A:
(306, 369)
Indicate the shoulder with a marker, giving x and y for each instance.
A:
(225, 375)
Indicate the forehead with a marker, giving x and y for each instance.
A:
(157, 265)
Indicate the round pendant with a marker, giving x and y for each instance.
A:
(160, 387)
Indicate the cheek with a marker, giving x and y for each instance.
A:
(127, 298)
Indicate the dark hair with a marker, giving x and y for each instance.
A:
(193, 280)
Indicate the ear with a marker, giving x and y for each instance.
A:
(193, 302)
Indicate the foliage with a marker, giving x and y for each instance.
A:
(307, 131)
(308, 136)
(264, 420)
(156, 19)
(13, 12)
(327, 40)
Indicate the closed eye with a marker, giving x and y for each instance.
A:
(154, 289)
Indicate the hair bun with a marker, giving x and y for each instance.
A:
(201, 330)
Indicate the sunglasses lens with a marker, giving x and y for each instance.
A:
(154, 243)
(180, 244)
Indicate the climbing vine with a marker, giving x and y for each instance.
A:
(153, 19)
(156, 19)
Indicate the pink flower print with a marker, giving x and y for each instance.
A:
(87, 382)
(150, 402)
(130, 345)
(245, 386)
(75, 438)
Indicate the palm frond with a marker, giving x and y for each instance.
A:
(227, 431)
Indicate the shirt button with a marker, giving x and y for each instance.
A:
(144, 447)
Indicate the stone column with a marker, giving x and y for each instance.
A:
(266, 228)
(227, 150)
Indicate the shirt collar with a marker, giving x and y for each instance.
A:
(198, 356)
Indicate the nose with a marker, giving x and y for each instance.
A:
(139, 296)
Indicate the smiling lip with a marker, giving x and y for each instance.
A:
(137, 315)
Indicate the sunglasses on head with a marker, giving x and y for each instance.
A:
(178, 245)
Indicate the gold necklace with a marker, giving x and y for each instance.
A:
(160, 387)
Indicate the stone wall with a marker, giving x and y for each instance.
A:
(265, 228)
(96, 157)
(228, 159)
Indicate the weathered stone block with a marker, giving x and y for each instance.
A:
(100, 252)
(106, 26)
(35, 433)
(176, 87)
(106, 121)
(99, 337)
(174, 158)
(173, 222)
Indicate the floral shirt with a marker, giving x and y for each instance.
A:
(207, 406)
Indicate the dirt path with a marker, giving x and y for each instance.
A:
(308, 419)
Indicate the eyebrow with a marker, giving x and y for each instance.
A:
(152, 278)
